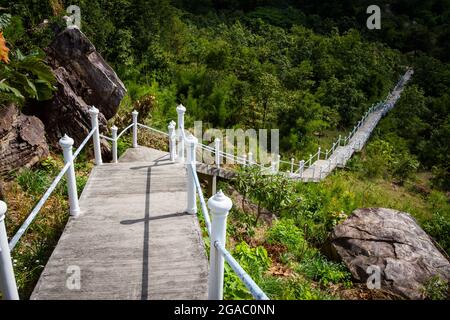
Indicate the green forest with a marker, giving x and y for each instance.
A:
(308, 68)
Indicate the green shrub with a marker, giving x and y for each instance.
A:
(316, 267)
(379, 157)
(439, 228)
(404, 166)
(123, 144)
(285, 232)
(439, 224)
(233, 287)
(436, 288)
(255, 261)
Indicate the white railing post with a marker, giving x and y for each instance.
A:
(244, 157)
(326, 154)
(180, 111)
(191, 142)
(66, 144)
(310, 160)
(172, 141)
(301, 166)
(250, 158)
(96, 136)
(8, 286)
(217, 152)
(114, 143)
(318, 154)
(292, 165)
(134, 115)
(339, 140)
(272, 163)
(277, 164)
(219, 206)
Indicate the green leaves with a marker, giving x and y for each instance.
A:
(255, 261)
(27, 76)
(273, 191)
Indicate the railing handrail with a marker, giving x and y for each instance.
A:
(251, 285)
(205, 211)
(124, 130)
(152, 129)
(23, 228)
(254, 289)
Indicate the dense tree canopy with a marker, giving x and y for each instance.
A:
(300, 66)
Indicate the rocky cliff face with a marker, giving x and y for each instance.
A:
(22, 140)
(84, 80)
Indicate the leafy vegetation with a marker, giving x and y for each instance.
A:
(436, 288)
(23, 76)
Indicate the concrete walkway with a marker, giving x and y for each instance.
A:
(133, 239)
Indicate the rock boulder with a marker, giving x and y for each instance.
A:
(22, 140)
(84, 80)
(392, 241)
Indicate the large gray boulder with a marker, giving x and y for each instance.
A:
(393, 241)
(22, 140)
(84, 80)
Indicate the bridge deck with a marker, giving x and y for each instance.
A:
(132, 239)
(322, 168)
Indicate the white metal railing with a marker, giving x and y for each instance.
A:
(8, 285)
(219, 205)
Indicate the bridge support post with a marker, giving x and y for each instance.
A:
(180, 111)
(114, 143)
(326, 154)
(339, 141)
(219, 206)
(244, 159)
(66, 144)
(292, 165)
(310, 160)
(8, 286)
(134, 114)
(277, 164)
(217, 152)
(250, 158)
(318, 154)
(96, 137)
(273, 163)
(191, 159)
(172, 141)
(301, 167)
